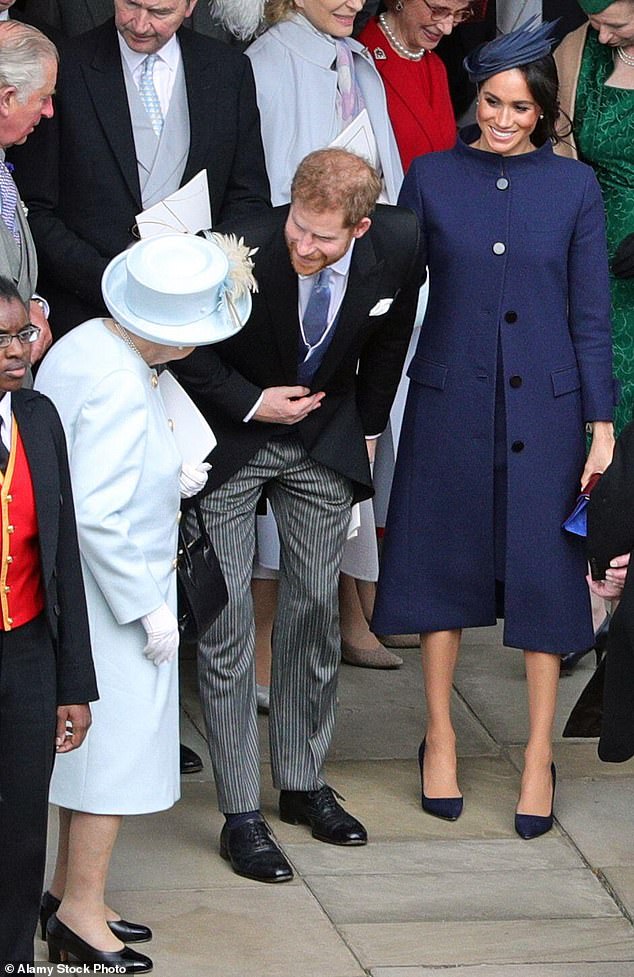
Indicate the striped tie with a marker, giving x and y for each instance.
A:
(149, 95)
(9, 201)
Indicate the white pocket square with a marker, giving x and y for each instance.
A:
(381, 307)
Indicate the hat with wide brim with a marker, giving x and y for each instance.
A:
(175, 290)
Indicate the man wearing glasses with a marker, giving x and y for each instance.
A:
(46, 671)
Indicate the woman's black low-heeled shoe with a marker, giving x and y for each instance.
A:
(447, 808)
(63, 943)
(127, 932)
(533, 825)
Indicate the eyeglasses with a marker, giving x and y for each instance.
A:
(28, 334)
(443, 13)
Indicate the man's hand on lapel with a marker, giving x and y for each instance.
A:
(287, 405)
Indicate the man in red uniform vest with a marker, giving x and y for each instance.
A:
(46, 671)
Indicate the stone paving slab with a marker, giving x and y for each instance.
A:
(576, 759)
(259, 931)
(462, 896)
(522, 970)
(451, 944)
(437, 857)
(621, 879)
(600, 818)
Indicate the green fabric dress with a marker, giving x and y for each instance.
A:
(604, 130)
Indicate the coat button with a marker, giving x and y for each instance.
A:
(502, 183)
(515, 382)
(517, 446)
(510, 316)
(499, 248)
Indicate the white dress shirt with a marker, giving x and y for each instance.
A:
(164, 75)
(6, 427)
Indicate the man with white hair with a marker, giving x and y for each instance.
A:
(28, 70)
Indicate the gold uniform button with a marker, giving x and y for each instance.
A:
(10, 529)
(9, 559)
(7, 590)
(9, 498)
(9, 620)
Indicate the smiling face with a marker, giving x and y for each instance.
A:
(316, 240)
(417, 24)
(507, 114)
(147, 25)
(330, 16)
(615, 24)
(16, 358)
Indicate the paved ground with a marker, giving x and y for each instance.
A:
(425, 898)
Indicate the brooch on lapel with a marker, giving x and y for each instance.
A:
(379, 54)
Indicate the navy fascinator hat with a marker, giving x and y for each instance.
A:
(528, 43)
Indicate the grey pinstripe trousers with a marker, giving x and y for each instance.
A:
(312, 510)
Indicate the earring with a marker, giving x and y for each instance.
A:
(398, 6)
(542, 116)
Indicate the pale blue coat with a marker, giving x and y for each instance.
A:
(124, 468)
(296, 91)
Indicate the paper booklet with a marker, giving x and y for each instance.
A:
(187, 210)
(358, 137)
(194, 437)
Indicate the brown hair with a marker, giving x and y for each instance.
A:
(277, 10)
(334, 179)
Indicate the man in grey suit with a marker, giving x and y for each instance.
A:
(73, 17)
(294, 400)
(23, 105)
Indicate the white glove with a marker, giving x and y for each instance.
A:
(161, 628)
(192, 479)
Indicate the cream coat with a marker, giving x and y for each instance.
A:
(124, 468)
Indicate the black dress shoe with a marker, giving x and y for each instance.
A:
(326, 817)
(253, 853)
(190, 761)
(63, 943)
(126, 931)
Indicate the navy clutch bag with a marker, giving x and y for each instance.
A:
(577, 521)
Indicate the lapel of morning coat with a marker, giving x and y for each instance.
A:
(104, 80)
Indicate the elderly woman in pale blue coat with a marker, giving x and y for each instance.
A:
(128, 478)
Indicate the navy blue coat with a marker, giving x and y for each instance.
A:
(517, 262)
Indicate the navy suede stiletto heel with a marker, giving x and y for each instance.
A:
(447, 808)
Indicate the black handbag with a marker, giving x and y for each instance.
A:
(202, 592)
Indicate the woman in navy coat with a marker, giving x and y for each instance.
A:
(513, 361)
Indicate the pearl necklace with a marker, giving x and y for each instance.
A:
(394, 41)
(626, 58)
(125, 335)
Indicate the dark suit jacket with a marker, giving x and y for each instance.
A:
(45, 447)
(78, 171)
(611, 533)
(72, 17)
(360, 370)
(454, 48)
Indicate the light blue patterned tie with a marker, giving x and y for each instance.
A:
(149, 95)
(9, 201)
(315, 319)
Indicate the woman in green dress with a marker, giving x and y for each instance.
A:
(596, 74)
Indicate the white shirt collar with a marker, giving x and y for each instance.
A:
(7, 419)
(340, 267)
(4, 15)
(169, 53)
